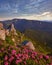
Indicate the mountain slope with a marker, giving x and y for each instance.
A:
(42, 39)
(22, 25)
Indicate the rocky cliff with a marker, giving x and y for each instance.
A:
(6, 32)
(2, 32)
(13, 30)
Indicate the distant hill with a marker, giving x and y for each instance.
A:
(44, 39)
(23, 24)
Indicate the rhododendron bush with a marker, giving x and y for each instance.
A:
(12, 55)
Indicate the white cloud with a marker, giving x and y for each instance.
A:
(45, 13)
(43, 16)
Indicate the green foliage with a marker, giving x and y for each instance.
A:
(9, 40)
(31, 62)
(19, 33)
(40, 38)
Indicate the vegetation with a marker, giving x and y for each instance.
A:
(43, 40)
(11, 54)
(9, 40)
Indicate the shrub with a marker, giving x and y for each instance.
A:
(22, 56)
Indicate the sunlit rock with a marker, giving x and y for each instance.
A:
(1, 26)
(7, 32)
(2, 34)
(13, 30)
(29, 44)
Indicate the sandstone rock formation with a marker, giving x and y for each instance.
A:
(1, 26)
(7, 32)
(13, 30)
(2, 32)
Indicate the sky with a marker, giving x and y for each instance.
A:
(26, 9)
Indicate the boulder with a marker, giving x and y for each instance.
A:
(29, 44)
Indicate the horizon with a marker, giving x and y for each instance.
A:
(26, 19)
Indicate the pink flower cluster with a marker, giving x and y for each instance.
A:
(13, 56)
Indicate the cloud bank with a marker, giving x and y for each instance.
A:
(43, 16)
(28, 9)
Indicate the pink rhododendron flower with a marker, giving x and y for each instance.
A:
(32, 55)
(47, 57)
(19, 55)
(26, 50)
(41, 56)
(2, 49)
(25, 62)
(6, 63)
(35, 53)
(18, 61)
(11, 58)
(22, 55)
(13, 52)
(51, 64)
(6, 58)
(25, 56)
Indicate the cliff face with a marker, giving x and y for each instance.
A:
(2, 32)
(7, 32)
(1, 26)
(13, 30)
